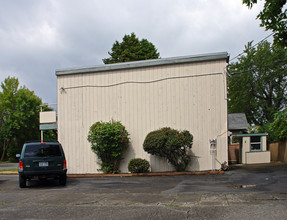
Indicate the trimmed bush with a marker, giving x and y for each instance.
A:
(109, 140)
(138, 165)
(170, 144)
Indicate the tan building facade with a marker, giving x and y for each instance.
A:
(185, 93)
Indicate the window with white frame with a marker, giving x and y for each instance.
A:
(255, 143)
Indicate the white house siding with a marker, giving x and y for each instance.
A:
(196, 103)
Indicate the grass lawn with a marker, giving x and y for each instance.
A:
(9, 171)
(8, 161)
(15, 169)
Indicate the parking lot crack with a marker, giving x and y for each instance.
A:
(87, 203)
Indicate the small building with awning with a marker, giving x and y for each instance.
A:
(253, 148)
(243, 147)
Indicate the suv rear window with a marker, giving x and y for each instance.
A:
(42, 150)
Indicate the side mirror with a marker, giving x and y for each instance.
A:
(18, 155)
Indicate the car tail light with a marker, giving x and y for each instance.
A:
(64, 164)
(20, 165)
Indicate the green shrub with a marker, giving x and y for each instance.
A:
(138, 165)
(109, 140)
(170, 144)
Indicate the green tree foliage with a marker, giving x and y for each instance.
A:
(138, 165)
(131, 49)
(273, 17)
(277, 130)
(19, 116)
(279, 126)
(170, 144)
(258, 83)
(109, 140)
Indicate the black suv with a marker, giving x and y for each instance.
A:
(42, 161)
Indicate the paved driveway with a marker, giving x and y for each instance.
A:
(249, 192)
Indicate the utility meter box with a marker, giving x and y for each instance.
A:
(213, 148)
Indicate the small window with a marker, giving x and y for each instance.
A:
(255, 143)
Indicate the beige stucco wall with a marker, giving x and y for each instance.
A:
(245, 148)
(257, 157)
(196, 103)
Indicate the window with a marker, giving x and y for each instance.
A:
(255, 143)
(42, 150)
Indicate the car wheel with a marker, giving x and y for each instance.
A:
(63, 180)
(22, 181)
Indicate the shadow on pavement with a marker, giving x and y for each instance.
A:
(259, 168)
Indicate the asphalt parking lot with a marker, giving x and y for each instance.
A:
(246, 192)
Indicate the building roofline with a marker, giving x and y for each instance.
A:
(145, 63)
(237, 121)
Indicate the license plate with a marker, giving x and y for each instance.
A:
(43, 164)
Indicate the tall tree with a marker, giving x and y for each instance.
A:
(273, 17)
(19, 116)
(258, 82)
(131, 49)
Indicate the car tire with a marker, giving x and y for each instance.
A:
(22, 181)
(63, 180)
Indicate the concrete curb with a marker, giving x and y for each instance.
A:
(146, 174)
(8, 172)
(130, 174)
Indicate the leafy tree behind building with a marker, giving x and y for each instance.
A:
(19, 117)
(277, 130)
(131, 49)
(273, 17)
(258, 83)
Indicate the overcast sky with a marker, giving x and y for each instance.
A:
(39, 36)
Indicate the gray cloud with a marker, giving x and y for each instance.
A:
(39, 36)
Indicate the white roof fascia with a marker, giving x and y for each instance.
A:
(145, 63)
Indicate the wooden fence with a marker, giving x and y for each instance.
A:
(278, 151)
(233, 153)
